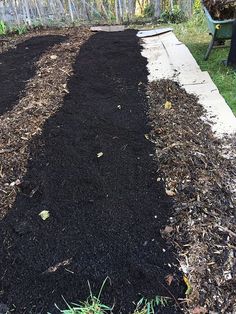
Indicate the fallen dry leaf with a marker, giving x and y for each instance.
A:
(168, 229)
(54, 268)
(199, 310)
(169, 278)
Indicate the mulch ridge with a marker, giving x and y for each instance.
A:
(200, 180)
(42, 97)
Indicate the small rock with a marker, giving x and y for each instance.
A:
(17, 182)
(99, 154)
(170, 192)
(168, 230)
(53, 57)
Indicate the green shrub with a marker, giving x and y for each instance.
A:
(175, 16)
(149, 10)
(197, 5)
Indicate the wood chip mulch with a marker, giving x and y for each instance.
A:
(200, 176)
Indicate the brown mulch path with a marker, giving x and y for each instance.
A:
(199, 179)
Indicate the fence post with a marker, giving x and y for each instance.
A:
(186, 7)
(157, 6)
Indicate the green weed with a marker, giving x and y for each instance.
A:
(92, 305)
(145, 306)
(21, 29)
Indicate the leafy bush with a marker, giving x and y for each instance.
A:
(175, 16)
(197, 5)
(149, 10)
(17, 29)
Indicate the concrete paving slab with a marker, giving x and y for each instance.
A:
(154, 32)
(107, 28)
(192, 79)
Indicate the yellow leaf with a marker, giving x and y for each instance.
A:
(44, 214)
(168, 105)
(189, 287)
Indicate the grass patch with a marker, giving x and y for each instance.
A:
(194, 34)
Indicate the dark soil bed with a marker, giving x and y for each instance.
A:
(106, 210)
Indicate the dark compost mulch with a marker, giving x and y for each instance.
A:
(221, 9)
(105, 212)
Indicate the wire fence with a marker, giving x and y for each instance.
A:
(47, 12)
